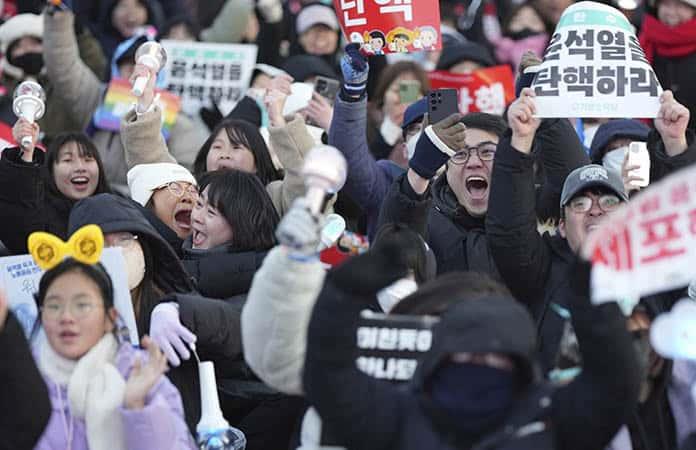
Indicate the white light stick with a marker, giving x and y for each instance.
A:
(324, 172)
(152, 55)
(30, 104)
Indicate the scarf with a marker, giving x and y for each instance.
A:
(656, 38)
(95, 390)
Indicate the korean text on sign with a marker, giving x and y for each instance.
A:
(595, 67)
(203, 74)
(650, 244)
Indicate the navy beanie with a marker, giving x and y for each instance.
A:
(415, 112)
(468, 51)
(616, 129)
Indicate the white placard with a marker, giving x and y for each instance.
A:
(594, 67)
(201, 73)
(20, 278)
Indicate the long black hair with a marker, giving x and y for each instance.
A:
(243, 201)
(243, 133)
(85, 147)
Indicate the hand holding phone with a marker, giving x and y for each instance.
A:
(327, 88)
(636, 171)
(441, 104)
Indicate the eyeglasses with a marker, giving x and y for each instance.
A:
(79, 310)
(123, 240)
(178, 189)
(485, 151)
(583, 203)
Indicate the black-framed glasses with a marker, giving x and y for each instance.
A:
(583, 203)
(485, 152)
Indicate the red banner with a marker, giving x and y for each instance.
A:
(487, 90)
(391, 26)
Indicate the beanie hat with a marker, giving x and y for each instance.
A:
(415, 112)
(247, 109)
(145, 179)
(317, 14)
(20, 26)
(468, 51)
(616, 129)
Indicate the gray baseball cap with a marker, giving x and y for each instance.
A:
(591, 175)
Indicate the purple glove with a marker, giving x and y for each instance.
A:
(355, 68)
(169, 334)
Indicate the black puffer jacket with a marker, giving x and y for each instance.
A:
(582, 415)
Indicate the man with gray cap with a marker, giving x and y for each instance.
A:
(534, 266)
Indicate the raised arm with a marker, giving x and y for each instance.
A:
(72, 80)
(277, 311)
(602, 397)
(519, 252)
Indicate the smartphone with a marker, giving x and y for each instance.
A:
(409, 91)
(327, 88)
(441, 103)
(638, 155)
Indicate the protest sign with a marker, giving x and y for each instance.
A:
(203, 73)
(649, 244)
(594, 67)
(20, 278)
(389, 346)
(487, 90)
(119, 100)
(391, 26)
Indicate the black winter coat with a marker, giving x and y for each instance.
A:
(24, 404)
(28, 202)
(366, 413)
(534, 267)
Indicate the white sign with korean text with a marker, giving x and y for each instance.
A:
(203, 73)
(20, 278)
(649, 244)
(594, 67)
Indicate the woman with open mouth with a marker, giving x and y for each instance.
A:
(38, 188)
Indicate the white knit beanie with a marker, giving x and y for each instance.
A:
(144, 179)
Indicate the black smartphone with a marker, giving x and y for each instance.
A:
(327, 88)
(441, 103)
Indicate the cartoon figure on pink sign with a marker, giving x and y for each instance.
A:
(375, 42)
(399, 39)
(426, 38)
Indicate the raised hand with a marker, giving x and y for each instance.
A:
(522, 121)
(24, 128)
(276, 95)
(320, 111)
(145, 100)
(299, 230)
(144, 376)
(671, 123)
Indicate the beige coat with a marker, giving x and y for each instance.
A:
(77, 86)
(143, 143)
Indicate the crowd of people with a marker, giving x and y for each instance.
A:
(478, 221)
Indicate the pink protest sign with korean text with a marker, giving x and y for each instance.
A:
(648, 245)
(391, 26)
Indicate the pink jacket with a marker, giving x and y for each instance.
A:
(159, 425)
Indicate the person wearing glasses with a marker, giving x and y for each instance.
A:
(104, 393)
(449, 211)
(167, 192)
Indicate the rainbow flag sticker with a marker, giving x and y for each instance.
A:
(119, 100)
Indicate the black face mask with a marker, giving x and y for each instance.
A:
(30, 63)
(523, 34)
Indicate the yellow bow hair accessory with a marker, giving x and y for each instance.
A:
(48, 250)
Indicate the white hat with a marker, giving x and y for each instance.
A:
(316, 15)
(20, 26)
(144, 179)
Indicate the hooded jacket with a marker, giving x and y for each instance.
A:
(584, 414)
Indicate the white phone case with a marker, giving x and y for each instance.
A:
(638, 155)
